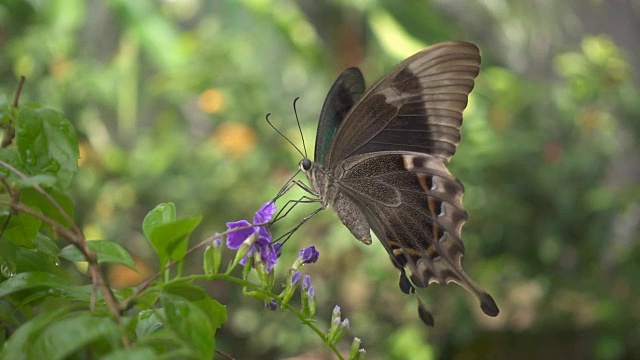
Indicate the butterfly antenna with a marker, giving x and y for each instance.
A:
(286, 138)
(295, 111)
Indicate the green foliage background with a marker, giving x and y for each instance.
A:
(169, 99)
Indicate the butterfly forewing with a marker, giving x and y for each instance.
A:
(417, 106)
(344, 93)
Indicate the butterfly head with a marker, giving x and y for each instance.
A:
(305, 165)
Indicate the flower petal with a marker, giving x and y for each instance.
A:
(264, 236)
(235, 239)
(269, 257)
(278, 247)
(265, 213)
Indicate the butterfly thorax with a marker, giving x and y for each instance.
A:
(321, 182)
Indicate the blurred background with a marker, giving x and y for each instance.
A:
(169, 99)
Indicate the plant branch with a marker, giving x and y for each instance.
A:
(94, 270)
(125, 303)
(18, 91)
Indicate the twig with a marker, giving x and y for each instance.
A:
(9, 130)
(18, 91)
(225, 355)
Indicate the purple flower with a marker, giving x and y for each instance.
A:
(262, 243)
(309, 255)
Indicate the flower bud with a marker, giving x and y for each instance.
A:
(290, 288)
(333, 329)
(355, 346)
(308, 255)
(342, 330)
(213, 256)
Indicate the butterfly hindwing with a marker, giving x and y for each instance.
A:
(414, 206)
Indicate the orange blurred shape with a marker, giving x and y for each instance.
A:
(211, 101)
(121, 276)
(59, 68)
(234, 138)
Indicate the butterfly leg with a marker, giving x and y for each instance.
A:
(288, 234)
(290, 204)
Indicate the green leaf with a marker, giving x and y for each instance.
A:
(43, 180)
(34, 199)
(31, 260)
(66, 336)
(216, 312)
(21, 229)
(107, 252)
(37, 280)
(173, 238)
(151, 330)
(21, 341)
(8, 257)
(160, 215)
(45, 245)
(47, 143)
(186, 319)
(11, 157)
(168, 236)
(148, 322)
(6, 111)
(142, 353)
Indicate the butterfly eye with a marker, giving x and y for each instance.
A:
(305, 165)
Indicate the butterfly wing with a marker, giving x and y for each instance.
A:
(417, 106)
(414, 206)
(344, 93)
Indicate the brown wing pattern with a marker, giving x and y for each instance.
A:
(414, 206)
(416, 107)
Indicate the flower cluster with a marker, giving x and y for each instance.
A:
(256, 238)
(255, 250)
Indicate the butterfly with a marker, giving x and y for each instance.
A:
(381, 163)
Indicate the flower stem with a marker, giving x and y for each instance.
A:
(268, 294)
